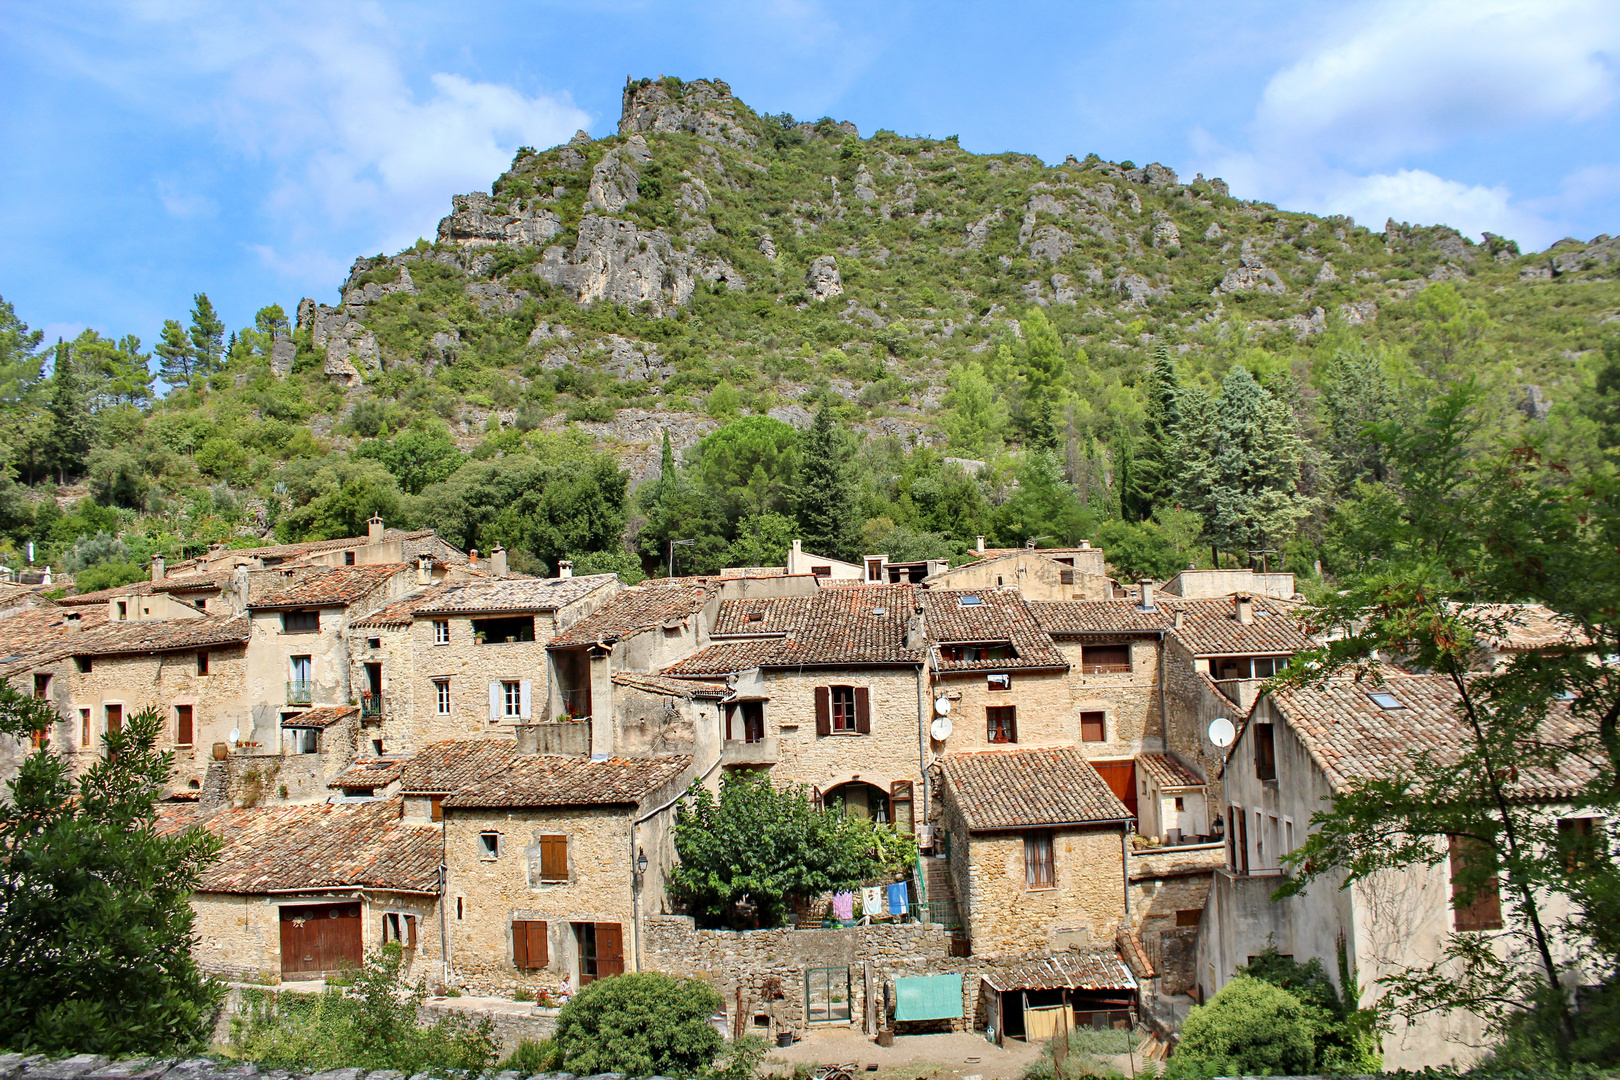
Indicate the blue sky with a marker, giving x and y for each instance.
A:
(159, 148)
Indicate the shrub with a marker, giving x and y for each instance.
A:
(531, 1057)
(1249, 1027)
(641, 1024)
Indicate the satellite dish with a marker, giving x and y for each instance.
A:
(942, 706)
(940, 729)
(236, 735)
(1221, 732)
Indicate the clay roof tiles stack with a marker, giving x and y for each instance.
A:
(1171, 774)
(999, 614)
(441, 768)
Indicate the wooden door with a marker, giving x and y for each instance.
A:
(320, 938)
(609, 949)
(1121, 779)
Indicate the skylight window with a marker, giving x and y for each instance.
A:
(970, 601)
(1386, 701)
(878, 611)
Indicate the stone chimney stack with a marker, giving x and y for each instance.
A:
(157, 569)
(374, 529)
(497, 561)
(424, 569)
(1180, 619)
(980, 539)
(1245, 608)
(565, 568)
(528, 738)
(472, 556)
(1146, 585)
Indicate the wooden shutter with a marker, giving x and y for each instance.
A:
(523, 700)
(1093, 727)
(182, 723)
(520, 945)
(410, 931)
(609, 949)
(494, 702)
(823, 710)
(554, 858)
(863, 710)
(436, 802)
(730, 709)
(1484, 910)
(539, 945)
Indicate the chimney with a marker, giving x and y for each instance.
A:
(528, 738)
(157, 569)
(1180, 619)
(374, 529)
(1147, 594)
(1085, 545)
(424, 569)
(1245, 608)
(980, 539)
(472, 556)
(497, 561)
(565, 568)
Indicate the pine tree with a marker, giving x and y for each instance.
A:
(69, 438)
(828, 522)
(1152, 477)
(207, 336)
(177, 361)
(1042, 373)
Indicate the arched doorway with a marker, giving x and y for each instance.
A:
(860, 799)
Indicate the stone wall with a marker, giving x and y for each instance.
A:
(1044, 717)
(395, 651)
(889, 753)
(239, 936)
(1166, 882)
(1003, 916)
(1034, 575)
(1192, 703)
(1130, 701)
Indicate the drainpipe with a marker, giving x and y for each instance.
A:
(1164, 718)
(635, 892)
(444, 898)
(1125, 865)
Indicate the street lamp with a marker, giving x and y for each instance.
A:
(673, 544)
(641, 861)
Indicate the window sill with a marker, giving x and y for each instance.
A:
(843, 734)
(1040, 888)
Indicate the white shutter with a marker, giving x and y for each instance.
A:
(494, 702)
(523, 701)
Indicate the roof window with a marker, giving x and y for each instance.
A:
(1385, 700)
(969, 601)
(879, 611)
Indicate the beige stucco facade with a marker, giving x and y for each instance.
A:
(1037, 576)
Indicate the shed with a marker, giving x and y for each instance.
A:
(1041, 998)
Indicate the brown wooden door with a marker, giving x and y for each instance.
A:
(609, 949)
(1121, 779)
(320, 938)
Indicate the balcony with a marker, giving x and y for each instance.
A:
(576, 704)
(371, 704)
(300, 692)
(759, 752)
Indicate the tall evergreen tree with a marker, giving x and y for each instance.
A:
(177, 361)
(1042, 371)
(1356, 393)
(828, 521)
(20, 361)
(1152, 476)
(69, 439)
(207, 335)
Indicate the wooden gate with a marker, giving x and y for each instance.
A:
(317, 939)
(1121, 779)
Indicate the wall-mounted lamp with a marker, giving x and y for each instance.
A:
(641, 861)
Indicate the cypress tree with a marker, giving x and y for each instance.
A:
(69, 440)
(1152, 475)
(828, 522)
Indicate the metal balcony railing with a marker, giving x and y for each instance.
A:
(300, 693)
(940, 912)
(371, 704)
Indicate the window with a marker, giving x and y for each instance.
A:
(436, 813)
(489, 845)
(84, 664)
(182, 725)
(123, 610)
(1265, 752)
(843, 708)
(821, 571)
(202, 662)
(1105, 660)
(1039, 873)
(972, 601)
(84, 727)
(1001, 723)
(348, 558)
(601, 950)
(1288, 829)
(530, 946)
(373, 642)
(304, 740)
(390, 927)
(42, 684)
(1386, 701)
(1093, 727)
(115, 718)
(461, 908)
(745, 720)
(1066, 577)
(1475, 900)
(503, 631)
(300, 678)
(300, 622)
(1189, 917)
(441, 631)
(998, 682)
(1180, 804)
(511, 698)
(1580, 840)
(553, 858)
(756, 616)
(441, 694)
(975, 651)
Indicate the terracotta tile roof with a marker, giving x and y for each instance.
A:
(515, 594)
(1523, 627)
(632, 611)
(174, 583)
(1211, 627)
(320, 547)
(101, 596)
(339, 586)
(322, 716)
(444, 767)
(545, 780)
(726, 657)
(39, 636)
(765, 615)
(368, 774)
(1098, 616)
(1171, 774)
(1027, 789)
(988, 615)
(306, 847)
(854, 626)
(997, 553)
(658, 684)
(1092, 969)
(166, 635)
(401, 613)
(1350, 736)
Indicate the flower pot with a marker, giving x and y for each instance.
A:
(221, 751)
(885, 1038)
(784, 1039)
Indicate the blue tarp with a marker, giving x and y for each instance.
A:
(932, 997)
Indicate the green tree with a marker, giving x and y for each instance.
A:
(1345, 1037)
(1250, 1028)
(271, 320)
(827, 517)
(976, 416)
(1045, 504)
(769, 845)
(335, 497)
(1356, 394)
(176, 360)
(70, 426)
(640, 1024)
(96, 926)
(747, 460)
(1602, 405)
(1042, 371)
(20, 362)
(207, 336)
(550, 509)
(115, 372)
(1152, 477)
(417, 457)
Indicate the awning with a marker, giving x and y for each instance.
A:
(931, 997)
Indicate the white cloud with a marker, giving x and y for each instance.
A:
(182, 203)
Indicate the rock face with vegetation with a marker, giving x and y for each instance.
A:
(1067, 325)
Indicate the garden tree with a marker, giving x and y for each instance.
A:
(827, 518)
(1356, 393)
(207, 335)
(1152, 475)
(677, 507)
(95, 916)
(20, 361)
(1455, 529)
(1045, 504)
(1249, 1028)
(1138, 549)
(762, 540)
(767, 846)
(640, 1024)
(68, 443)
(1603, 404)
(176, 360)
(1345, 1037)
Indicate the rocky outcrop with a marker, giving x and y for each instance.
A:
(1358, 313)
(615, 179)
(372, 291)
(1251, 275)
(977, 231)
(1050, 243)
(1165, 233)
(1602, 252)
(282, 354)
(822, 279)
(704, 108)
(1325, 274)
(1534, 406)
(622, 263)
(478, 219)
(1136, 290)
(492, 297)
(351, 349)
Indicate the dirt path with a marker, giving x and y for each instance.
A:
(960, 1056)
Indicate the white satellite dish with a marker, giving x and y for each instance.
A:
(942, 706)
(940, 729)
(1221, 732)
